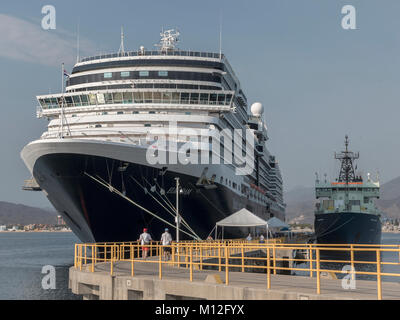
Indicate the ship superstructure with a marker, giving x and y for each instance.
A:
(93, 160)
(346, 212)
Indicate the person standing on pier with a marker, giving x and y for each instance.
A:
(145, 239)
(249, 237)
(166, 241)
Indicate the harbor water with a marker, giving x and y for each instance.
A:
(23, 255)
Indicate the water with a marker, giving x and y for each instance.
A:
(22, 256)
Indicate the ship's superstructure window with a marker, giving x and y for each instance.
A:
(108, 75)
(125, 74)
(143, 73)
(163, 73)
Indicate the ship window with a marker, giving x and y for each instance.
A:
(194, 98)
(138, 96)
(117, 97)
(125, 74)
(108, 75)
(143, 73)
(147, 125)
(135, 112)
(163, 73)
(366, 199)
(120, 112)
(100, 98)
(175, 97)
(188, 113)
(127, 97)
(204, 98)
(213, 98)
(152, 112)
(92, 98)
(105, 113)
(221, 99)
(84, 99)
(184, 97)
(166, 97)
(77, 101)
(148, 97)
(108, 98)
(97, 126)
(156, 97)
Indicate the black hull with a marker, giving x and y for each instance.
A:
(347, 228)
(87, 205)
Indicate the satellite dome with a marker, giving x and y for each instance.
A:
(257, 109)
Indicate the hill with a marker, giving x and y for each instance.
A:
(301, 202)
(11, 213)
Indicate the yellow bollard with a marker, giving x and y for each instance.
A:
(310, 259)
(219, 257)
(191, 263)
(268, 269)
(226, 266)
(80, 258)
(85, 255)
(378, 273)
(352, 261)
(92, 258)
(242, 258)
(132, 261)
(75, 257)
(318, 274)
(160, 262)
(201, 258)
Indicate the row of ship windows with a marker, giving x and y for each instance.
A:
(149, 86)
(172, 75)
(349, 189)
(133, 112)
(137, 97)
(148, 62)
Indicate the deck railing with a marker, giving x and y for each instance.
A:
(233, 255)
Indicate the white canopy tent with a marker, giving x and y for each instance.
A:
(241, 218)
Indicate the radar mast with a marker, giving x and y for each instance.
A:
(169, 39)
(347, 157)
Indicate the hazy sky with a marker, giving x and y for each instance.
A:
(316, 80)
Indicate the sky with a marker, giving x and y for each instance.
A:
(316, 80)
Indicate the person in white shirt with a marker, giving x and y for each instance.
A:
(145, 239)
(249, 237)
(166, 241)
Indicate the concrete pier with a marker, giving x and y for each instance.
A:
(209, 285)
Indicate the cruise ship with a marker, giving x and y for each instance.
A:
(99, 163)
(346, 212)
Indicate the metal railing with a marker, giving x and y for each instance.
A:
(230, 255)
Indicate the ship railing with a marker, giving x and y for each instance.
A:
(238, 256)
(183, 53)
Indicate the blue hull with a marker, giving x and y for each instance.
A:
(347, 228)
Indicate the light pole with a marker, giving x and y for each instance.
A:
(177, 218)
